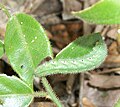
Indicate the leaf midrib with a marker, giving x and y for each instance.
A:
(19, 27)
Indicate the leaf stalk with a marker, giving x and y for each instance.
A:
(51, 92)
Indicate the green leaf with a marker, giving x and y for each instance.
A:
(85, 53)
(1, 49)
(26, 45)
(117, 103)
(103, 12)
(14, 92)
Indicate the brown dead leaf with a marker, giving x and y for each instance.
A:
(112, 33)
(87, 103)
(51, 19)
(31, 6)
(48, 7)
(101, 98)
(60, 35)
(69, 6)
(113, 49)
(74, 29)
(2, 32)
(104, 81)
(43, 104)
(91, 2)
(50, 36)
(113, 59)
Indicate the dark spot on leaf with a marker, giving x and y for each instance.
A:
(22, 66)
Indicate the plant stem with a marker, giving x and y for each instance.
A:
(5, 10)
(51, 92)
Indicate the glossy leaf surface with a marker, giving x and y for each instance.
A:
(14, 92)
(85, 53)
(103, 12)
(1, 49)
(26, 45)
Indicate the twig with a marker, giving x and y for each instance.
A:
(87, 27)
(81, 89)
(105, 30)
(109, 71)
